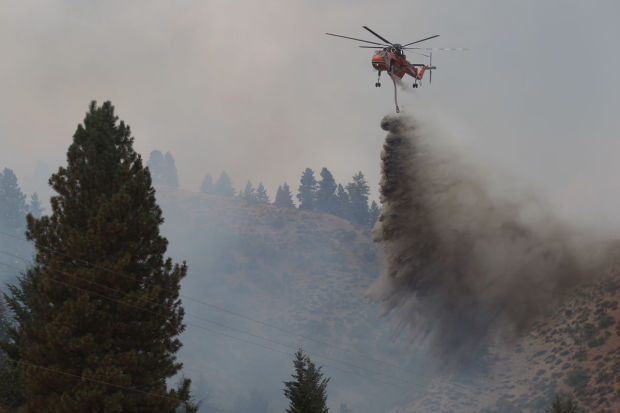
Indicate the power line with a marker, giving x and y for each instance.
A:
(407, 395)
(207, 304)
(98, 381)
(65, 373)
(321, 356)
(289, 355)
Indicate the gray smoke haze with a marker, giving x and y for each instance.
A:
(467, 264)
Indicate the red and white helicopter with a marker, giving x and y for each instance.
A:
(391, 59)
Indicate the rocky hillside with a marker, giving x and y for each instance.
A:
(573, 352)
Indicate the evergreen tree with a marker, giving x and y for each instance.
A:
(11, 380)
(156, 166)
(326, 199)
(10, 388)
(35, 207)
(307, 190)
(284, 198)
(223, 185)
(13, 210)
(162, 168)
(171, 170)
(358, 194)
(98, 315)
(207, 186)
(307, 393)
(559, 406)
(13, 206)
(248, 194)
(261, 194)
(344, 203)
(373, 214)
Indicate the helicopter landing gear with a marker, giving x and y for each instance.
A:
(415, 85)
(378, 84)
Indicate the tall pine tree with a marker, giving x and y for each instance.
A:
(13, 210)
(307, 191)
(307, 393)
(98, 315)
(13, 206)
(284, 198)
(223, 186)
(326, 199)
(249, 193)
(163, 169)
(261, 194)
(373, 214)
(358, 194)
(344, 203)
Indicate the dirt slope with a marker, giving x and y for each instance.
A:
(573, 352)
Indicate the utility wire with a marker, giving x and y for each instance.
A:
(321, 356)
(289, 355)
(207, 304)
(99, 381)
(65, 373)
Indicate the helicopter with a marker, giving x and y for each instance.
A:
(392, 60)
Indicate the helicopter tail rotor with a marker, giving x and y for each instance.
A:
(430, 67)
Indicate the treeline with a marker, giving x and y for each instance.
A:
(350, 201)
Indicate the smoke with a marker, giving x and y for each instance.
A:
(402, 85)
(467, 265)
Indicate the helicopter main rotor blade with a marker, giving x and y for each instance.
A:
(418, 41)
(373, 47)
(457, 49)
(353, 38)
(387, 41)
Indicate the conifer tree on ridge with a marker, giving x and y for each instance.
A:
(326, 199)
(249, 193)
(307, 190)
(358, 194)
(284, 198)
(261, 194)
(223, 186)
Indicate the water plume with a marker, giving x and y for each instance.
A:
(466, 265)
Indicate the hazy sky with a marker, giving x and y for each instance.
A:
(257, 89)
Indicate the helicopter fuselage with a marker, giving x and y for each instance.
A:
(396, 64)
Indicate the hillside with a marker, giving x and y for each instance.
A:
(575, 351)
(276, 279)
(285, 257)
